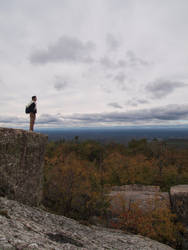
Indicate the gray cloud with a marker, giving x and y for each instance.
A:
(122, 86)
(106, 88)
(108, 63)
(130, 60)
(112, 42)
(60, 83)
(42, 119)
(133, 60)
(142, 101)
(134, 102)
(115, 105)
(66, 49)
(121, 63)
(120, 77)
(161, 88)
(12, 120)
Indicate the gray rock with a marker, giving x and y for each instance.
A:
(32, 228)
(179, 202)
(21, 165)
(136, 187)
(145, 196)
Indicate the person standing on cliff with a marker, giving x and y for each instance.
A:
(32, 110)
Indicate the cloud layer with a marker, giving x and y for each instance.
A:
(169, 113)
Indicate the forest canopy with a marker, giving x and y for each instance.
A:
(79, 175)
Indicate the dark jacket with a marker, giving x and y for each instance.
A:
(33, 108)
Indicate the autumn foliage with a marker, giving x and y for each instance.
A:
(155, 221)
(78, 176)
(73, 185)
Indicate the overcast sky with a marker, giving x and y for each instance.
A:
(94, 63)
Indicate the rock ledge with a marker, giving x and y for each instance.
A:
(24, 228)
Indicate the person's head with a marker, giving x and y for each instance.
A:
(34, 98)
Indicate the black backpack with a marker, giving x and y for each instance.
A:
(28, 109)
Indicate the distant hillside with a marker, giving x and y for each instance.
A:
(177, 143)
(118, 135)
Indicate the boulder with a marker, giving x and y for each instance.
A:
(179, 202)
(21, 165)
(145, 196)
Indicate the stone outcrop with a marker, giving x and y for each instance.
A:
(136, 187)
(23, 227)
(179, 202)
(145, 196)
(21, 165)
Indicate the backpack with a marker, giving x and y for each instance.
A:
(28, 109)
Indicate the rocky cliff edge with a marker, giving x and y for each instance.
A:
(21, 165)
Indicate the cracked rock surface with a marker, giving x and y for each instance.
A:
(23, 228)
